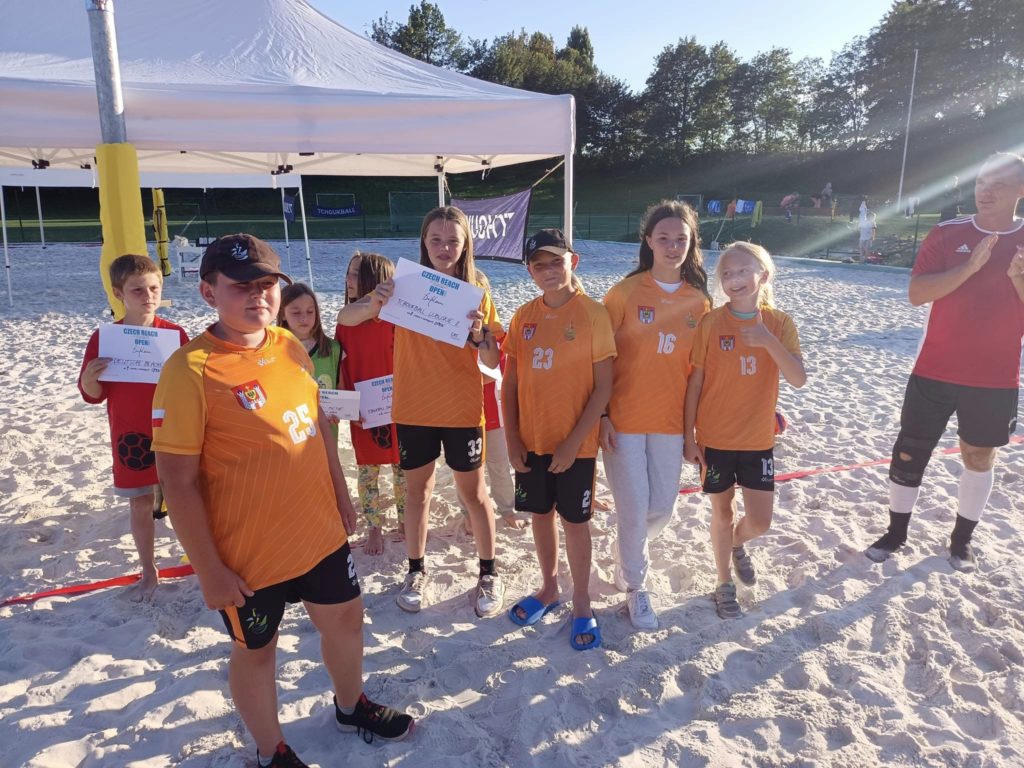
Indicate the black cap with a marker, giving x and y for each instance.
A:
(551, 240)
(241, 257)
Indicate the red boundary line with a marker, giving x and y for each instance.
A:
(1014, 440)
(179, 571)
(173, 572)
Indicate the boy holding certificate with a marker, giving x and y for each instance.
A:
(137, 282)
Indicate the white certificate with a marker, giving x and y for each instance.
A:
(429, 302)
(342, 404)
(375, 401)
(137, 353)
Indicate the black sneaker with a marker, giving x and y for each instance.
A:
(726, 604)
(743, 566)
(371, 720)
(961, 557)
(284, 758)
(879, 551)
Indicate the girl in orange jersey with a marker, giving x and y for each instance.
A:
(738, 353)
(369, 354)
(438, 402)
(654, 312)
(558, 379)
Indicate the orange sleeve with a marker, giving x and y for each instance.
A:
(699, 350)
(511, 341)
(179, 404)
(789, 337)
(615, 303)
(490, 313)
(602, 335)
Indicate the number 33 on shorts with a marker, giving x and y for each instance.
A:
(476, 448)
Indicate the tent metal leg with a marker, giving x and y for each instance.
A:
(305, 234)
(39, 208)
(7, 257)
(287, 243)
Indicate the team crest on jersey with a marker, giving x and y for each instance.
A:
(727, 343)
(528, 330)
(250, 395)
(645, 314)
(691, 321)
(570, 332)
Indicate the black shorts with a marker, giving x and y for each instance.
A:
(986, 417)
(331, 581)
(463, 446)
(748, 469)
(570, 492)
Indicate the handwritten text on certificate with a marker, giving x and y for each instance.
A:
(375, 401)
(137, 353)
(429, 302)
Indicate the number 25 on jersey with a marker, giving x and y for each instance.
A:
(300, 425)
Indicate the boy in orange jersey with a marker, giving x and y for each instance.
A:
(737, 356)
(558, 379)
(258, 497)
(136, 281)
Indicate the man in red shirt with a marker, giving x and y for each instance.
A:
(971, 270)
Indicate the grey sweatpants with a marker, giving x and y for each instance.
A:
(643, 472)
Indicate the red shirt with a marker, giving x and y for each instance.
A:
(369, 352)
(972, 336)
(492, 409)
(130, 415)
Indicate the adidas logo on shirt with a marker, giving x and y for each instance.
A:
(963, 249)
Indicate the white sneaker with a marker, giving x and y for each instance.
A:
(411, 597)
(641, 614)
(490, 596)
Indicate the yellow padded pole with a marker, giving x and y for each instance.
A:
(121, 218)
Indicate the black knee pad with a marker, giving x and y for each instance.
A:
(910, 472)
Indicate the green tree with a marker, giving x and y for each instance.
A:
(686, 100)
(837, 112)
(424, 36)
(764, 103)
(970, 62)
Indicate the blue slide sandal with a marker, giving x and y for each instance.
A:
(534, 609)
(585, 626)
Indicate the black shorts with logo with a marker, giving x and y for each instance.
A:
(331, 581)
(570, 492)
(464, 447)
(748, 469)
(985, 417)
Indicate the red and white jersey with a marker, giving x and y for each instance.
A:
(972, 336)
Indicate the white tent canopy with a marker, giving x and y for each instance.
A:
(254, 85)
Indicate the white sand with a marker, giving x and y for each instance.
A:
(837, 662)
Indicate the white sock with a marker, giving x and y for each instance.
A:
(975, 488)
(902, 499)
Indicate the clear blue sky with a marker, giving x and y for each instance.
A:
(628, 34)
